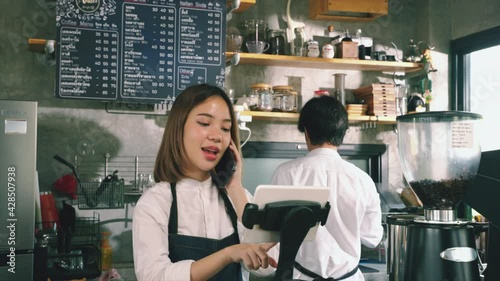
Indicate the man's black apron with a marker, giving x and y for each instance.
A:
(316, 277)
(183, 247)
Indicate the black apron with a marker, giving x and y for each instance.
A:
(316, 277)
(183, 247)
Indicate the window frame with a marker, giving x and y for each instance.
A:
(460, 64)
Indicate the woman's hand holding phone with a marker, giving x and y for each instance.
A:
(234, 187)
(236, 178)
(226, 168)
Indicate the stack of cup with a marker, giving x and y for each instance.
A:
(50, 217)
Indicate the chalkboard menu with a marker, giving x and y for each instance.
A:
(144, 51)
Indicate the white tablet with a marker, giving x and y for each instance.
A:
(265, 194)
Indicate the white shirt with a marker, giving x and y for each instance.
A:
(355, 215)
(201, 212)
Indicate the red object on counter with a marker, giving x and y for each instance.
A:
(319, 93)
(49, 211)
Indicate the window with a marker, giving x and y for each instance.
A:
(476, 81)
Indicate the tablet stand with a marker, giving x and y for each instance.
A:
(293, 219)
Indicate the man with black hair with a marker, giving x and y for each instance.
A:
(355, 216)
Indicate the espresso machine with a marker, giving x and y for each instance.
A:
(440, 154)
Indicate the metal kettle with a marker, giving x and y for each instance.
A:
(412, 52)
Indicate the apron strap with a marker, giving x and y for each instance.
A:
(230, 211)
(172, 221)
(316, 277)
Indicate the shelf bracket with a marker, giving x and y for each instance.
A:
(42, 45)
(45, 50)
(426, 69)
(235, 4)
(235, 60)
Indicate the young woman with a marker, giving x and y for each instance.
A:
(186, 226)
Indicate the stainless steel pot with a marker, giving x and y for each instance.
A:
(397, 231)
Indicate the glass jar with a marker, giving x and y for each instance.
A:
(253, 100)
(264, 96)
(283, 99)
(312, 49)
(289, 102)
(297, 44)
(277, 42)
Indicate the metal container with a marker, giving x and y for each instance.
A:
(397, 231)
(340, 87)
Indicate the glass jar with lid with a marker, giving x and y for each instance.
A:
(312, 49)
(283, 98)
(264, 96)
(253, 100)
(289, 102)
(277, 41)
(278, 92)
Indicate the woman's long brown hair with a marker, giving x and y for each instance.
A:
(171, 154)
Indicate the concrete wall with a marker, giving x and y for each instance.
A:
(473, 16)
(83, 128)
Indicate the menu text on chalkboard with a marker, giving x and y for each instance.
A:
(144, 51)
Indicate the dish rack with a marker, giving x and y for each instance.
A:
(97, 191)
(74, 258)
(101, 195)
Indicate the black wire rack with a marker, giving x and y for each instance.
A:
(97, 191)
(63, 257)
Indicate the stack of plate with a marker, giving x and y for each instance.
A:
(356, 109)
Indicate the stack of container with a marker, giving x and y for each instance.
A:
(356, 109)
(380, 99)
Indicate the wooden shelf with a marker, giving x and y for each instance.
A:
(294, 117)
(244, 5)
(275, 116)
(322, 63)
(37, 45)
(378, 119)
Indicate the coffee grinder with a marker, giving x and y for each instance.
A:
(440, 154)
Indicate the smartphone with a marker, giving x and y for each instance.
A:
(225, 169)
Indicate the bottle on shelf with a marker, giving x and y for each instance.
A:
(361, 46)
(106, 251)
(299, 42)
